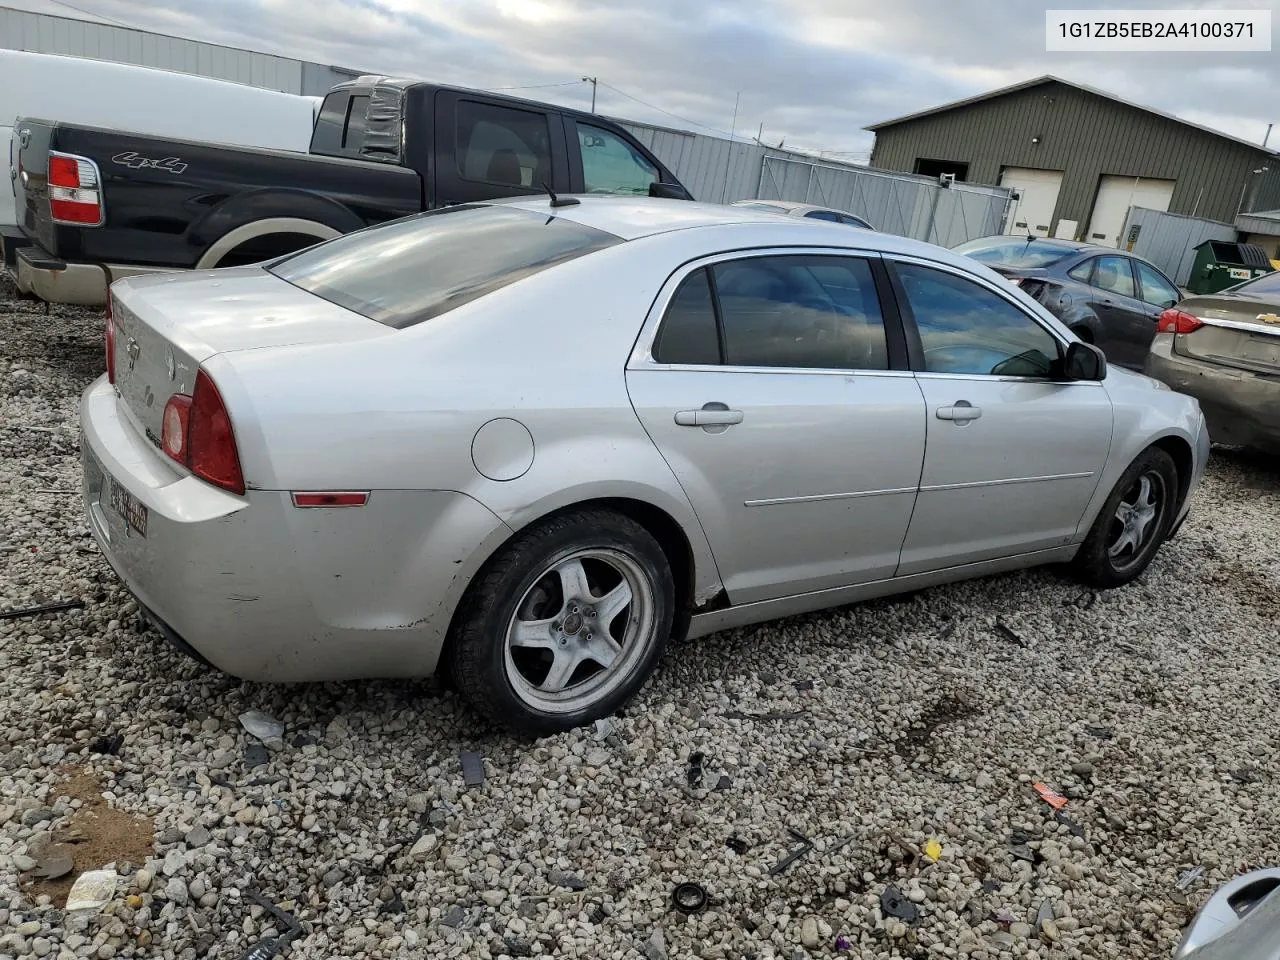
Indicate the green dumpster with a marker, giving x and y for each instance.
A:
(1220, 264)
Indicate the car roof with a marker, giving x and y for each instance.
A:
(631, 218)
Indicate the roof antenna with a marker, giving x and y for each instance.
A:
(556, 201)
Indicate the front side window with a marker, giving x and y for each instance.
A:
(407, 271)
(1156, 290)
(1113, 275)
(818, 312)
(502, 146)
(967, 329)
(611, 165)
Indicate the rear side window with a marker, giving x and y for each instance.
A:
(503, 146)
(688, 333)
(407, 271)
(326, 138)
(357, 120)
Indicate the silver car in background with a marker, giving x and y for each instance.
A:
(1241, 921)
(808, 211)
(526, 442)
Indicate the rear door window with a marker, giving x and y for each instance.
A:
(817, 312)
(1114, 275)
(407, 271)
(503, 146)
(688, 334)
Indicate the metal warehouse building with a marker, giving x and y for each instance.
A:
(1079, 158)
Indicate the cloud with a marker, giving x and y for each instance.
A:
(814, 71)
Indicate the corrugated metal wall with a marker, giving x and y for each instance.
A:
(1085, 135)
(717, 170)
(40, 33)
(1169, 241)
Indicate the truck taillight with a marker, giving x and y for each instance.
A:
(196, 432)
(1178, 321)
(75, 190)
(109, 341)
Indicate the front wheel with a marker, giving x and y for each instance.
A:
(565, 624)
(1132, 524)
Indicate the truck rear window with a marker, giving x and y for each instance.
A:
(411, 270)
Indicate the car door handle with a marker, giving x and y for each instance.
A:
(711, 415)
(961, 412)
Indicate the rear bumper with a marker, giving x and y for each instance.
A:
(1241, 408)
(57, 281)
(265, 591)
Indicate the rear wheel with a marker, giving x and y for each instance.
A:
(1132, 524)
(565, 624)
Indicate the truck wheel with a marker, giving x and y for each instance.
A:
(1132, 523)
(565, 624)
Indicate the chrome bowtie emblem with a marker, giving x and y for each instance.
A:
(133, 350)
(170, 363)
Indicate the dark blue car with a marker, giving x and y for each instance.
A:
(1107, 297)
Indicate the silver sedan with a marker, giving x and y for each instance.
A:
(527, 442)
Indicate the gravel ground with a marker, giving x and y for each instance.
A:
(875, 731)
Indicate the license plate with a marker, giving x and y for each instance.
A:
(133, 510)
(1262, 350)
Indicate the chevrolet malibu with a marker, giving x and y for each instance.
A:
(527, 442)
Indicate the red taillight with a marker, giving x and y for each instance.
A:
(109, 340)
(74, 190)
(196, 432)
(1176, 321)
(63, 171)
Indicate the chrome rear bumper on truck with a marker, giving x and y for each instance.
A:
(57, 281)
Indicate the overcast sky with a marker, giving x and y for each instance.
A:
(812, 71)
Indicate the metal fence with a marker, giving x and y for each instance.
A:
(908, 206)
(718, 170)
(1169, 240)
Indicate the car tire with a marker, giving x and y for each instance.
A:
(1133, 522)
(529, 643)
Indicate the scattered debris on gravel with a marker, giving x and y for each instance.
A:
(907, 769)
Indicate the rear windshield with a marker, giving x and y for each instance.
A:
(411, 270)
(1014, 251)
(1267, 283)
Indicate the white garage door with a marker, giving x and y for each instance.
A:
(1039, 189)
(1115, 196)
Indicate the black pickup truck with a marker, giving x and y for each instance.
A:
(97, 205)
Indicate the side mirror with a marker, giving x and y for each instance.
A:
(1084, 361)
(669, 191)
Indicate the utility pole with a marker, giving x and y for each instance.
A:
(728, 158)
(1268, 136)
(592, 81)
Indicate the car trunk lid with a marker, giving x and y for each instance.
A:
(1239, 331)
(166, 326)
